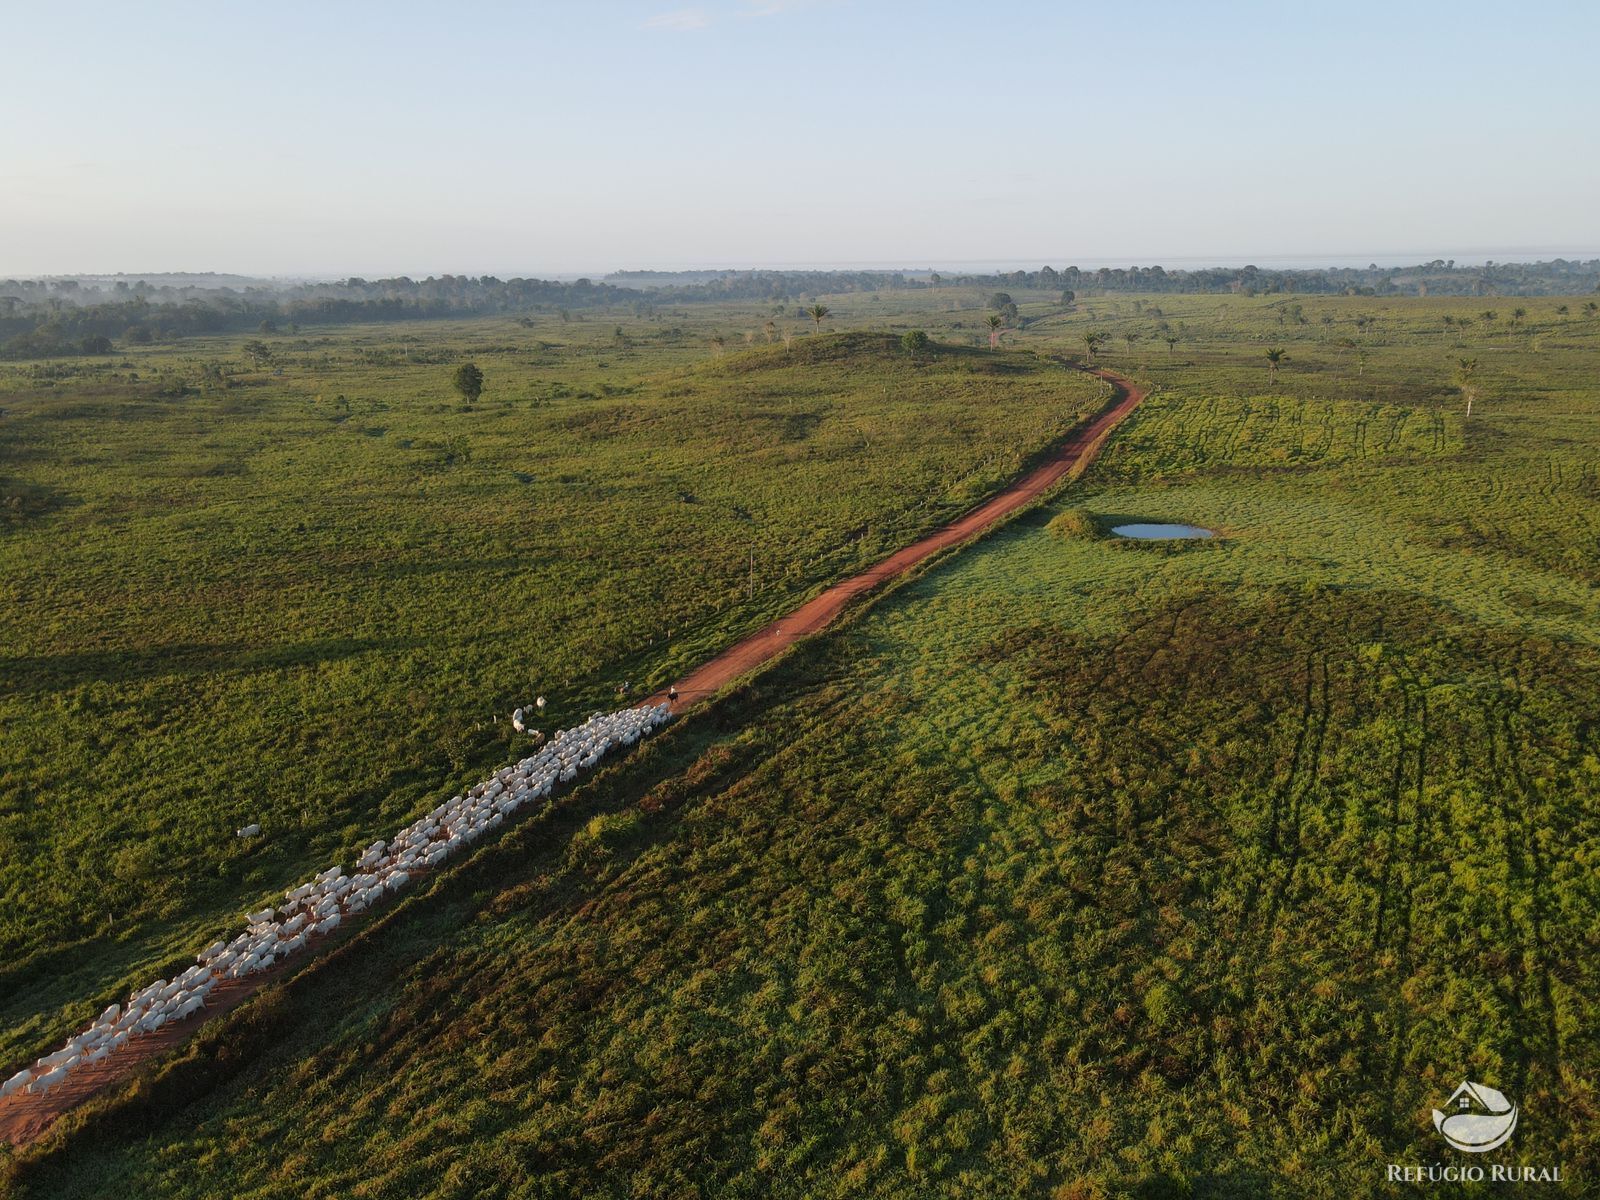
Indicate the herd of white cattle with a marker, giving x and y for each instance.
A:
(317, 907)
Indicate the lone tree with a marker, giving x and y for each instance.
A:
(1171, 340)
(996, 323)
(468, 380)
(914, 342)
(1275, 358)
(1466, 368)
(1068, 296)
(259, 353)
(1092, 341)
(817, 312)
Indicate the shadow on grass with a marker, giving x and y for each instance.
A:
(22, 675)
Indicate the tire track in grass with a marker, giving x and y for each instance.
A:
(1526, 860)
(1267, 427)
(1397, 425)
(1302, 736)
(1497, 488)
(1512, 990)
(1248, 964)
(1309, 782)
(1314, 732)
(1202, 431)
(1392, 834)
(1324, 442)
(1402, 896)
(1230, 439)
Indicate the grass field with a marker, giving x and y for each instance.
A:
(303, 599)
(1073, 868)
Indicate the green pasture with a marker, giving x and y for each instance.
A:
(309, 598)
(1074, 867)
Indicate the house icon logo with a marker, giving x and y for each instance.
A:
(1476, 1118)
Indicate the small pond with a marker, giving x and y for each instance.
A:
(1160, 533)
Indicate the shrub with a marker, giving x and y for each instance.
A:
(1075, 523)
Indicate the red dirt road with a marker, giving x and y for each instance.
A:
(1074, 454)
(26, 1118)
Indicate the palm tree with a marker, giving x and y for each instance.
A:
(1275, 357)
(771, 330)
(996, 323)
(1092, 341)
(1130, 337)
(1517, 314)
(1562, 310)
(1171, 340)
(817, 312)
(1590, 308)
(1466, 368)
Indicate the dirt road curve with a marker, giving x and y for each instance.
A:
(25, 1118)
(743, 657)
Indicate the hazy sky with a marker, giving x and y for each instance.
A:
(343, 137)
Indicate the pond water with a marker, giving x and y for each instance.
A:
(1156, 533)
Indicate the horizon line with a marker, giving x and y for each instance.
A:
(1281, 262)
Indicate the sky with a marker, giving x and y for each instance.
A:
(345, 137)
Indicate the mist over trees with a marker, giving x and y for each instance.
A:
(1440, 277)
(96, 315)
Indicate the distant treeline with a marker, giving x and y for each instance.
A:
(1558, 277)
(49, 317)
(70, 316)
(1441, 277)
(763, 285)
